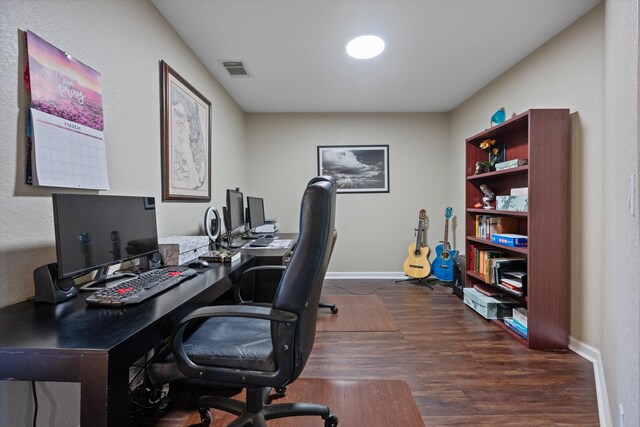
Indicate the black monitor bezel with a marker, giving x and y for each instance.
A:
(239, 196)
(252, 219)
(148, 201)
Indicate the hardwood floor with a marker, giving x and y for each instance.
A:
(460, 368)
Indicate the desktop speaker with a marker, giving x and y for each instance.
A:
(150, 262)
(459, 274)
(49, 288)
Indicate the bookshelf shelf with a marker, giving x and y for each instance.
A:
(493, 174)
(497, 212)
(543, 137)
(489, 243)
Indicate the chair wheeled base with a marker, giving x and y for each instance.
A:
(257, 411)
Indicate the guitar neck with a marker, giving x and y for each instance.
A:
(419, 234)
(445, 242)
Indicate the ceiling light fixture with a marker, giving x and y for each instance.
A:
(365, 47)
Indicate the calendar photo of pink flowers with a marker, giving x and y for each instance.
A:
(62, 86)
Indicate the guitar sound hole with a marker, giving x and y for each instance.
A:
(417, 253)
(445, 255)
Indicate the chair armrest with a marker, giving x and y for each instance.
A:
(240, 283)
(282, 346)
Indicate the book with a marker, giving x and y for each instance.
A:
(508, 164)
(516, 278)
(520, 315)
(509, 282)
(487, 290)
(223, 257)
(488, 271)
(502, 265)
(517, 327)
(514, 240)
(510, 289)
(522, 191)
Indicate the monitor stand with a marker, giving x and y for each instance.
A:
(251, 236)
(230, 244)
(101, 279)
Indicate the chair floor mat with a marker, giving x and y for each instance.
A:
(356, 313)
(356, 403)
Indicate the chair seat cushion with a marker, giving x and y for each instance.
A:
(232, 342)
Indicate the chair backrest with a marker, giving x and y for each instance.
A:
(301, 284)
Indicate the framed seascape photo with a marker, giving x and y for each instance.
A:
(356, 168)
(186, 139)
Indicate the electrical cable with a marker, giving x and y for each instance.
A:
(35, 402)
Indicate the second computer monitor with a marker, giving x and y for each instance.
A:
(235, 210)
(255, 208)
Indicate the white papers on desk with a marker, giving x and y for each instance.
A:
(67, 154)
(276, 244)
(280, 243)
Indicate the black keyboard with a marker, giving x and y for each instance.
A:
(261, 242)
(143, 287)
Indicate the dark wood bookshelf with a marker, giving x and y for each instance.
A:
(543, 137)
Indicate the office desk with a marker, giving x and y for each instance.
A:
(72, 342)
(269, 280)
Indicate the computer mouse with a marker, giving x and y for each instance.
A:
(199, 263)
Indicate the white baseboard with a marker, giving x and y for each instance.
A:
(592, 354)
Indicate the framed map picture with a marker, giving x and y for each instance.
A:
(356, 168)
(186, 139)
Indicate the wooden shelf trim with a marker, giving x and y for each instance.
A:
(510, 171)
(513, 334)
(497, 212)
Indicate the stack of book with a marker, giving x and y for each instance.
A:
(513, 281)
(487, 225)
(510, 164)
(518, 322)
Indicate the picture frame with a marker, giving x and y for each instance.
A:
(186, 139)
(356, 168)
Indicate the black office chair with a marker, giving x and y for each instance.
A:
(259, 347)
(332, 307)
(241, 281)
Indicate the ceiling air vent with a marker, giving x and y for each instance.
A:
(236, 68)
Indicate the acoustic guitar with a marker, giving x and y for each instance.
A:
(443, 263)
(417, 263)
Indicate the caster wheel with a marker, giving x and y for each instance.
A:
(331, 421)
(280, 390)
(205, 418)
(334, 310)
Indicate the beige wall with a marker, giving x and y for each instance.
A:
(124, 41)
(621, 235)
(374, 230)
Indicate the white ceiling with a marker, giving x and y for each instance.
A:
(438, 52)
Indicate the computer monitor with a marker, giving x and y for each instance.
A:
(255, 210)
(234, 214)
(94, 232)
